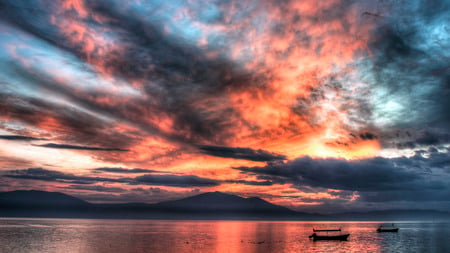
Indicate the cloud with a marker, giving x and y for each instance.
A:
(72, 123)
(96, 188)
(15, 162)
(241, 153)
(86, 182)
(19, 138)
(415, 139)
(247, 182)
(409, 76)
(421, 178)
(175, 180)
(203, 97)
(147, 179)
(57, 176)
(193, 78)
(178, 68)
(66, 146)
(234, 79)
(373, 174)
(123, 170)
(367, 136)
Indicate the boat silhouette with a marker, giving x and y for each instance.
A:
(323, 234)
(382, 228)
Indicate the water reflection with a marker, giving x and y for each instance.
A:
(72, 235)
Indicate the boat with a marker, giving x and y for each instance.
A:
(382, 228)
(324, 235)
(385, 229)
(340, 237)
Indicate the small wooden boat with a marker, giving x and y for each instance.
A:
(324, 234)
(382, 229)
(387, 229)
(339, 237)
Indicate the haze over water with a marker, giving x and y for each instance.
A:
(83, 235)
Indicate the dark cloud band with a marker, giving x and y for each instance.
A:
(241, 153)
(125, 171)
(19, 138)
(66, 146)
(148, 179)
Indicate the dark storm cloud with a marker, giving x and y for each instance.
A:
(148, 179)
(182, 76)
(411, 69)
(19, 138)
(373, 174)
(430, 138)
(123, 170)
(374, 178)
(241, 153)
(413, 139)
(87, 182)
(367, 136)
(185, 77)
(18, 13)
(66, 146)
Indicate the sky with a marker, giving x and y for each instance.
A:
(320, 106)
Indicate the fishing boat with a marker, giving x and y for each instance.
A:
(382, 228)
(325, 235)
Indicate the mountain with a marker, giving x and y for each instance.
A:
(213, 205)
(226, 206)
(39, 199)
(222, 202)
(42, 204)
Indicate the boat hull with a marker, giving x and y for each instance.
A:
(342, 237)
(381, 230)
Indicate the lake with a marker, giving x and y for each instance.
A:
(85, 235)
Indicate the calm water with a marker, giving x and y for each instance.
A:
(78, 235)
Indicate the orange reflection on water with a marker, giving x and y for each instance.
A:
(81, 235)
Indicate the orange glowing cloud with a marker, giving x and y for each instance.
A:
(297, 63)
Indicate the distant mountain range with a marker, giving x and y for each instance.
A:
(212, 205)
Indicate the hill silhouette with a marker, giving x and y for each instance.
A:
(218, 201)
(212, 205)
(39, 199)
(227, 206)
